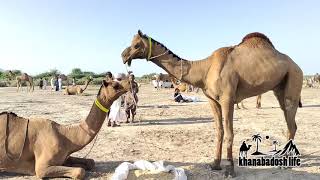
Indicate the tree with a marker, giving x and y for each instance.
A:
(257, 138)
(275, 143)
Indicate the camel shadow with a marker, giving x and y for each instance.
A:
(313, 105)
(191, 120)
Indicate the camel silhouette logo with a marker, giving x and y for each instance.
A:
(288, 156)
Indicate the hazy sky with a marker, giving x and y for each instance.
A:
(38, 35)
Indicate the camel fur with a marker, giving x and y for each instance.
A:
(77, 90)
(228, 76)
(44, 147)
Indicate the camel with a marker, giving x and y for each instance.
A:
(258, 104)
(183, 87)
(43, 147)
(244, 149)
(24, 77)
(77, 90)
(228, 76)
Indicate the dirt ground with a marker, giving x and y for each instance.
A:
(181, 134)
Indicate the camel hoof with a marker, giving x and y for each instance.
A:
(79, 173)
(229, 174)
(215, 167)
(229, 170)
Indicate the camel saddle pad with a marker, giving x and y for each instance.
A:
(13, 131)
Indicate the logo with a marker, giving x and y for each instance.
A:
(288, 156)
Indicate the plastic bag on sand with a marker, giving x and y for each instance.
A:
(122, 171)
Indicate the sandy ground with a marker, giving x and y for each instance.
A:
(179, 134)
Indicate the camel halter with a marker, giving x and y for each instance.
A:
(100, 106)
(150, 49)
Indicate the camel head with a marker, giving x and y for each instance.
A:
(138, 49)
(112, 90)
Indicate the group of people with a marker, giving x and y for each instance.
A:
(128, 101)
(56, 83)
(180, 98)
(43, 83)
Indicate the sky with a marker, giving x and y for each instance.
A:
(39, 35)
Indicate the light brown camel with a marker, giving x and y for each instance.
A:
(43, 147)
(77, 90)
(228, 76)
(258, 103)
(24, 77)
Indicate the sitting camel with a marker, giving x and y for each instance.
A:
(77, 90)
(24, 77)
(43, 147)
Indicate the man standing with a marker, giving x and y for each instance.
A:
(60, 83)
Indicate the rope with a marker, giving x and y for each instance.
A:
(94, 142)
(180, 69)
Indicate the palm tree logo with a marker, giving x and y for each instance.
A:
(275, 143)
(258, 139)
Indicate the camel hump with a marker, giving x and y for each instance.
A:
(255, 39)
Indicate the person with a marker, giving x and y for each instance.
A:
(115, 114)
(177, 96)
(56, 83)
(73, 81)
(41, 83)
(45, 83)
(60, 83)
(109, 76)
(131, 99)
(52, 82)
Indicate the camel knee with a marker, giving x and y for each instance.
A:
(219, 135)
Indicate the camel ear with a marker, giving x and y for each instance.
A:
(105, 83)
(140, 33)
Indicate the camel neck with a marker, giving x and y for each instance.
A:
(191, 72)
(83, 133)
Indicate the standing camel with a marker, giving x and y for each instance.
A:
(258, 103)
(228, 76)
(43, 147)
(24, 77)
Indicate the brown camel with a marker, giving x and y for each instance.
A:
(43, 147)
(228, 76)
(258, 104)
(182, 86)
(24, 77)
(77, 90)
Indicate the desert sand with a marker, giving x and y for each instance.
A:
(181, 134)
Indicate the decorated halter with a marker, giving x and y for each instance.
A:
(100, 106)
(150, 50)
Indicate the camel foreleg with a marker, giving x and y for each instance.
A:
(60, 171)
(87, 164)
(227, 113)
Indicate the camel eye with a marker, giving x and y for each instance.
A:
(137, 46)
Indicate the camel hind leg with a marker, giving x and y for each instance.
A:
(288, 95)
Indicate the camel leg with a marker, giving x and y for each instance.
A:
(227, 113)
(18, 86)
(87, 164)
(258, 102)
(59, 171)
(216, 109)
(289, 108)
